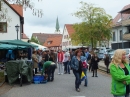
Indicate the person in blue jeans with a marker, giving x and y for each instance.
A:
(68, 66)
(76, 65)
(84, 69)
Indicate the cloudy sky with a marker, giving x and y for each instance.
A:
(63, 9)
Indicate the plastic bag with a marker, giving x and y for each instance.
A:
(83, 77)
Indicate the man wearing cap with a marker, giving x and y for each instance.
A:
(49, 69)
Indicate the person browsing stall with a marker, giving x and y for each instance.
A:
(49, 69)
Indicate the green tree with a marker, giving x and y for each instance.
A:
(25, 3)
(80, 35)
(33, 39)
(96, 24)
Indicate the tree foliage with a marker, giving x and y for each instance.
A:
(95, 25)
(79, 37)
(25, 3)
(33, 39)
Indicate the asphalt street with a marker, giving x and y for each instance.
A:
(63, 86)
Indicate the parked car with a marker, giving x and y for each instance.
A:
(110, 54)
(127, 53)
(102, 52)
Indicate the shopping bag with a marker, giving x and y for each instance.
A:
(83, 77)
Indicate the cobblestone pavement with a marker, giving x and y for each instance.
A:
(63, 86)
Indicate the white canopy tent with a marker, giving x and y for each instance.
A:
(39, 46)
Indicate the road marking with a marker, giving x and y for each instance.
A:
(77, 96)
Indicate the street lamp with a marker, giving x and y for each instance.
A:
(17, 29)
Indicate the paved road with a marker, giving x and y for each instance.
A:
(63, 86)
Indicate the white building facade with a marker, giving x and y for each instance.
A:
(7, 28)
(117, 37)
(66, 40)
(121, 29)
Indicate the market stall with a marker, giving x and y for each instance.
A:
(41, 47)
(19, 69)
(17, 43)
(15, 67)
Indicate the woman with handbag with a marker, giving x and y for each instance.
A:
(76, 65)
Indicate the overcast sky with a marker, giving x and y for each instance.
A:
(63, 9)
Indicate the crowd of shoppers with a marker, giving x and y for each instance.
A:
(78, 61)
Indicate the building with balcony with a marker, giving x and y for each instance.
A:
(121, 29)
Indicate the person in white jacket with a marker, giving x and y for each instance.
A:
(66, 59)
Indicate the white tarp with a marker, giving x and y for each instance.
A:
(39, 46)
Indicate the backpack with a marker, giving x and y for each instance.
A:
(89, 57)
(84, 64)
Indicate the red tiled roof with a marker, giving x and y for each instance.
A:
(18, 8)
(70, 28)
(13, 8)
(24, 36)
(56, 41)
(126, 7)
(118, 17)
(42, 37)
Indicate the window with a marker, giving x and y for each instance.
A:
(129, 31)
(49, 42)
(3, 26)
(69, 42)
(65, 43)
(0, 5)
(114, 36)
(121, 34)
(119, 20)
(64, 36)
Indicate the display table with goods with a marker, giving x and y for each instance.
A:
(39, 79)
(19, 70)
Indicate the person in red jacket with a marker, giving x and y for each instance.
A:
(60, 62)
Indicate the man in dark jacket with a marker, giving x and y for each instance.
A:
(94, 62)
(106, 62)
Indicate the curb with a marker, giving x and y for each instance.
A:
(102, 68)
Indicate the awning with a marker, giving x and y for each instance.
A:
(12, 47)
(39, 46)
(18, 43)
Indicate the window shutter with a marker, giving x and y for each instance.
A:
(1, 27)
(0, 5)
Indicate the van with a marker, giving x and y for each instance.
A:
(102, 51)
